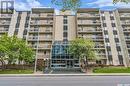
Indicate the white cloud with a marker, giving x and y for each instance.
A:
(106, 3)
(27, 5)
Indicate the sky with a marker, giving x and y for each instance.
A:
(103, 4)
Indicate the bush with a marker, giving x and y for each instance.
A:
(112, 70)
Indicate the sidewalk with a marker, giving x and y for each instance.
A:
(62, 75)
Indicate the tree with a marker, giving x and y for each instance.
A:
(125, 1)
(75, 4)
(14, 49)
(67, 4)
(83, 49)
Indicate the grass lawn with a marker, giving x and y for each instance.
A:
(16, 72)
(112, 70)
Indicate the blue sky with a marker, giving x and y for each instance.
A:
(103, 4)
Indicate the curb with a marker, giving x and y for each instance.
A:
(58, 75)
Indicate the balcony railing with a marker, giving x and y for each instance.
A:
(3, 30)
(125, 15)
(35, 38)
(42, 15)
(88, 15)
(5, 16)
(42, 56)
(90, 30)
(41, 46)
(89, 22)
(125, 22)
(40, 30)
(99, 46)
(41, 23)
(5, 23)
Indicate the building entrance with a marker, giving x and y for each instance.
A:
(61, 58)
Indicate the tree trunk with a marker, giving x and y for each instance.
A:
(3, 64)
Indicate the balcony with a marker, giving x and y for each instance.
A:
(89, 23)
(41, 23)
(42, 16)
(44, 30)
(90, 31)
(4, 23)
(125, 15)
(3, 30)
(125, 22)
(128, 46)
(127, 38)
(42, 56)
(100, 46)
(97, 38)
(126, 30)
(88, 16)
(40, 38)
(5, 16)
(42, 46)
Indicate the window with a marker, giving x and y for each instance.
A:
(108, 48)
(25, 32)
(120, 59)
(104, 25)
(17, 25)
(112, 17)
(105, 32)
(65, 34)
(65, 28)
(103, 17)
(65, 21)
(114, 32)
(102, 12)
(106, 39)
(65, 17)
(118, 48)
(110, 12)
(116, 39)
(113, 24)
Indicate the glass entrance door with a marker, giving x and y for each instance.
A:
(69, 63)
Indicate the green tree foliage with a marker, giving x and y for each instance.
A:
(125, 1)
(67, 4)
(14, 49)
(83, 49)
(75, 4)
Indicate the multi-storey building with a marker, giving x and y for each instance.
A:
(49, 34)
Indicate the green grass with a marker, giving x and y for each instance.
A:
(16, 72)
(112, 70)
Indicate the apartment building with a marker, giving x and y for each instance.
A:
(49, 34)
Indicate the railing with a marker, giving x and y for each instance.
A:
(40, 38)
(40, 30)
(5, 16)
(127, 37)
(43, 46)
(90, 30)
(42, 15)
(41, 22)
(89, 22)
(5, 23)
(4, 30)
(42, 56)
(88, 15)
(125, 15)
(99, 46)
(125, 22)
